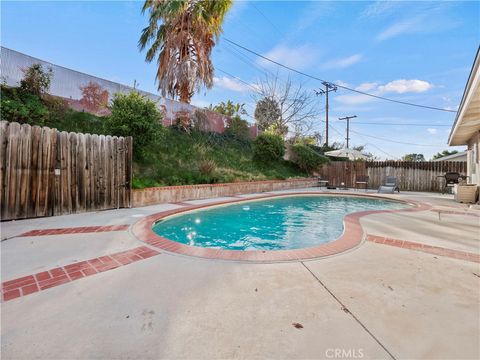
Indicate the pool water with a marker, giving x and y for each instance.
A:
(281, 223)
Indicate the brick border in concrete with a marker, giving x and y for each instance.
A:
(429, 249)
(75, 230)
(30, 284)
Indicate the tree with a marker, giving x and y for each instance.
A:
(444, 153)
(413, 157)
(267, 113)
(182, 34)
(229, 108)
(137, 116)
(284, 107)
(94, 97)
(36, 80)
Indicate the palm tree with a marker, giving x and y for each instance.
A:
(183, 33)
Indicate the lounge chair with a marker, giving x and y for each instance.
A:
(362, 180)
(390, 186)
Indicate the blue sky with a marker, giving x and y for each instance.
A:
(420, 52)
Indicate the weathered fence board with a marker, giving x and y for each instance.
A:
(45, 172)
(412, 175)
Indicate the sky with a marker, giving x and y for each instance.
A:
(419, 52)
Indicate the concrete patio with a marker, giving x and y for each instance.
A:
(376, 301)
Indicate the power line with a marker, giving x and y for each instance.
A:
(338, 85)
(375, 146)
(244, 58)
(398, 124)
(266, 18)
(239, 79)
(356, 132)
(394, 141)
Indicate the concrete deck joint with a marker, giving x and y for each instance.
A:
(344, 308)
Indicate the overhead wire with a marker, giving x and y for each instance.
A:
(398, 124)
(394, 141)
(335, 84)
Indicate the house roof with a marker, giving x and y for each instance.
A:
(453, 157)
(467, 121)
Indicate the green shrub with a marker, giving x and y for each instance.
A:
(22, 107)
(268, 148)
(306, 158)
(238, 128)
(137, 116)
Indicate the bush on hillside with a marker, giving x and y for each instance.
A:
(268, 148)
(238, 128)
(25, 108)
(306, 158)
(137, 116)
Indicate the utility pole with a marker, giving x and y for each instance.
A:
(348, 126)
(328, 87)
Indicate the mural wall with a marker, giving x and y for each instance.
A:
(89, 93)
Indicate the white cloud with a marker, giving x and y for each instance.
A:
(367, 86)
(406, 26)
(406, 86)
(432, 131)
(299, 57)
(421, 17)
(378, 8)
(400, 86)
(312, 13)
(232, 84)
(342, 83)
(344, 62)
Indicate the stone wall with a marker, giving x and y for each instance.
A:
(159, 195)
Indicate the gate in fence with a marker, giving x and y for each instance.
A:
(45, 172)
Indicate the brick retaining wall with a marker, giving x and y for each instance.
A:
(159, 195)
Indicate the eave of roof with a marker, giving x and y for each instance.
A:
(470, 89)
(453, 156)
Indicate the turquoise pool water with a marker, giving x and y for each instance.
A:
(291, 222)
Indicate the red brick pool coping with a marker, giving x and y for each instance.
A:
(352, 236)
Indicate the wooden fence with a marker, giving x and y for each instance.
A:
(412, 175)
(45, 172)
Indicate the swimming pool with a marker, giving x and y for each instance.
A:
(284, 223)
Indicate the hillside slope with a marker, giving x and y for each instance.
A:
(202, 158)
